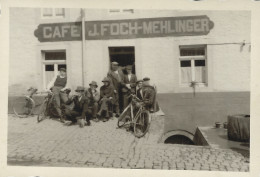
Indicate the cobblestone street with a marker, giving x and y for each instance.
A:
(51, 143)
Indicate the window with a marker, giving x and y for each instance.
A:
(193, 64)
(52, 61)
(53, 13)
(121, 11)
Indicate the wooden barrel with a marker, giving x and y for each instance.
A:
(238, 128)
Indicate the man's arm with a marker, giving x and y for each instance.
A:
(111, 92)
(110, 77)
(148, 97)
(66, 86)
(133, 84)
(97, 96)
(70, 100)
(51, 83)
(101, 93)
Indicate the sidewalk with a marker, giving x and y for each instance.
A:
(50, 143)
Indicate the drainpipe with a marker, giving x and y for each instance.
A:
(83, 44)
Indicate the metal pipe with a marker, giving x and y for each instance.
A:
(83, 45)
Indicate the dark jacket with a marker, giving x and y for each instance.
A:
(79, 106)
(106, 91)
(92, 97)
(132, 83)
(138, 94)
(148, 95)
(149, 98)
(115, 79)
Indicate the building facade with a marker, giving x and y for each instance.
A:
(217, 61)
(210, 49)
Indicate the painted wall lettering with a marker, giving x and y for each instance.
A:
(126, 29)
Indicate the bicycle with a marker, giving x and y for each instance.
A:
(47, 108)
(24, 106)
(135, 115)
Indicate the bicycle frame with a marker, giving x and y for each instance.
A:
(132, 116)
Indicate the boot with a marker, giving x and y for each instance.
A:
(62, 119)
(88, 123)
(81, 123)
(95, 119)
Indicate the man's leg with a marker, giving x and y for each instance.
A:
(116, 104)
(56, 92)
(94, 111)
(85, 115)
(74, 116)
(63, 97)
(71, 115)
(88, 116)
(125, 100)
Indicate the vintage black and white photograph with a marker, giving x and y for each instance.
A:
(129, 88)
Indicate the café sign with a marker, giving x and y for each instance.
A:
(125, 29)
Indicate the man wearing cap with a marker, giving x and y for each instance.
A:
(148, 94)
(80, 110)
(59, 84)
(115, 75)
(93, 96)
(128, 85)
(106, 99)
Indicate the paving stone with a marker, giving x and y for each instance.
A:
(53, 144)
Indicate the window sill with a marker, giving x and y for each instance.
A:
(199, 85)
(52, 17)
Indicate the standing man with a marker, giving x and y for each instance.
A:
(128, 85)
(80, 110)
(106, 99)
(115, 76)
(93, 95)
(59, 84)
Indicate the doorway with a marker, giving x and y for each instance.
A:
(123, 56)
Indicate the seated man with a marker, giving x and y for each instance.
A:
(93, 95)
(80, 109)
(106, 99)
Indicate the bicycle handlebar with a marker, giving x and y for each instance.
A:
(135, 97)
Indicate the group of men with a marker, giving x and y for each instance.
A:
(112, 97)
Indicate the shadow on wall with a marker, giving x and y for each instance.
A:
(183, 111)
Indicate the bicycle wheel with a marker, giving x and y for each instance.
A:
(123, 118)
(142, 124)
(42, 111)
(23, 106)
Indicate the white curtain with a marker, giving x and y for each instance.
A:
(185, 74)
(200, 74)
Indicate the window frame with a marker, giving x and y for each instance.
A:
(53, 16)
(120, 11)
(192, 59)
(51, 62)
